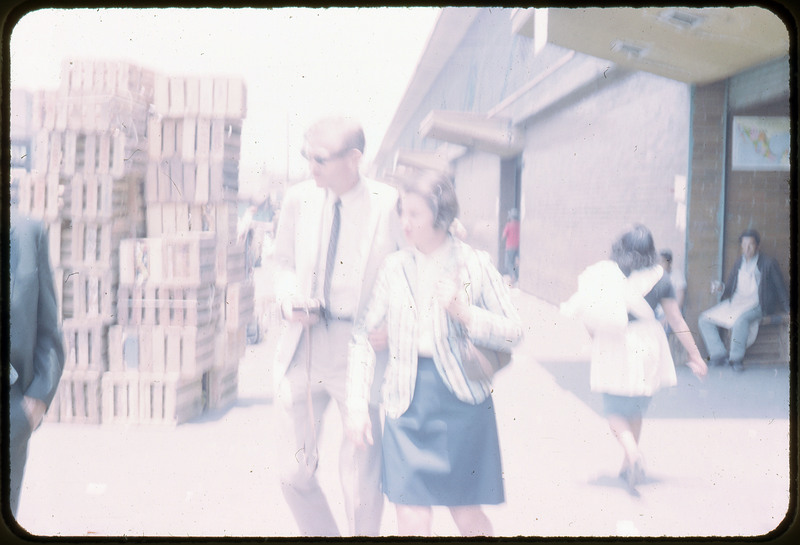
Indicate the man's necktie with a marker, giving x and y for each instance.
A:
(326, 287)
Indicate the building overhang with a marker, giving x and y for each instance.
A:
(473, 130)
(419, 159)
(692, 45)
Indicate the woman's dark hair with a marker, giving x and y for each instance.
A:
(438, 191)
(634, 250)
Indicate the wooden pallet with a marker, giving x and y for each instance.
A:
(151, 304)
(126, 154)
(169, 218)
(239, 304)
(89, 152)
(231, 345)
(98, 197)
(222, 387)
(43, 110)
(200, 96)
(183, 260)
(136, 304)
(231, 262)
(78, 398)
(148, 398)
(95, 243)
(223, 180)
(38, 195)
(85, 344)
(187, 351)
(171, 180)
(82, 77)
(87, 293)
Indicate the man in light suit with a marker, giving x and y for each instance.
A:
(36, 354)
(333, 234)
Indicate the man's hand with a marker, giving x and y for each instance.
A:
(304, 311)
(359, 428)
(34, 410)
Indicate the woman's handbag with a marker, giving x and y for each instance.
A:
(481, 363)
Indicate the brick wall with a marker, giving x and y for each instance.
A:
(724, 202)
(704, 224)
(477, 180)
(594, 165)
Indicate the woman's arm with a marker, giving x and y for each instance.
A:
(681, 329)
(490, 317)
(361, 362)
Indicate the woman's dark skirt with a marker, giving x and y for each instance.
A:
(625, 406)
(442, 451)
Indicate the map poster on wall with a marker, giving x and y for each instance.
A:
(760, 143)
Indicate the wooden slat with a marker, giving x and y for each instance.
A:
(150, 399)
(223, 387)
(237, 99)
(192, 96)
(188, 138)
(177, 96)
(206, 101)
(85, 344)
(78, 399)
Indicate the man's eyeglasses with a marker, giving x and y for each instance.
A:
(322, 161)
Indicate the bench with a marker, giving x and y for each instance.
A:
(772, 344)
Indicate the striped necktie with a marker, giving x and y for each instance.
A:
(326, 287)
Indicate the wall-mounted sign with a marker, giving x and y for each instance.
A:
(760, 143)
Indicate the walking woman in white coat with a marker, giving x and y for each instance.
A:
(631, 359)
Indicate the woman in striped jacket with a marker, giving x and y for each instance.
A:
(440, 443)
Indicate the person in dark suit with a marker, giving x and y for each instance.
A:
(755, 289)
(36, 354)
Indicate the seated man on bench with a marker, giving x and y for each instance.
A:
(755, 289)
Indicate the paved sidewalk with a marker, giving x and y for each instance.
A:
(716, 452)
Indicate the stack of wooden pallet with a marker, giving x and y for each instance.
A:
(136, 177)
(174, 351)
(85, 182)
(163, 342)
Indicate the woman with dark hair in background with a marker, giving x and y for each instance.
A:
(440, 442)
(631, 359)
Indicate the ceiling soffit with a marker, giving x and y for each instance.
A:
(692, 45)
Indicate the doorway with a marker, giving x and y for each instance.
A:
(509, 212)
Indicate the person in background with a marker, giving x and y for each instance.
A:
(36, 354)
(440, 442)
(511, 236)
(679, 285)
(631, 360)
(675, 275)
(755, 289)
(334, 232)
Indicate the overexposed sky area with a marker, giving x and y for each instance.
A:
(298, 63)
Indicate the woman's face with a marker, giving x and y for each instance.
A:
(417, 220)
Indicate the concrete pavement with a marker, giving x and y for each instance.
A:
(717, 455)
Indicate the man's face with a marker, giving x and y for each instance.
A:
(749, 247)
(332, 165)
